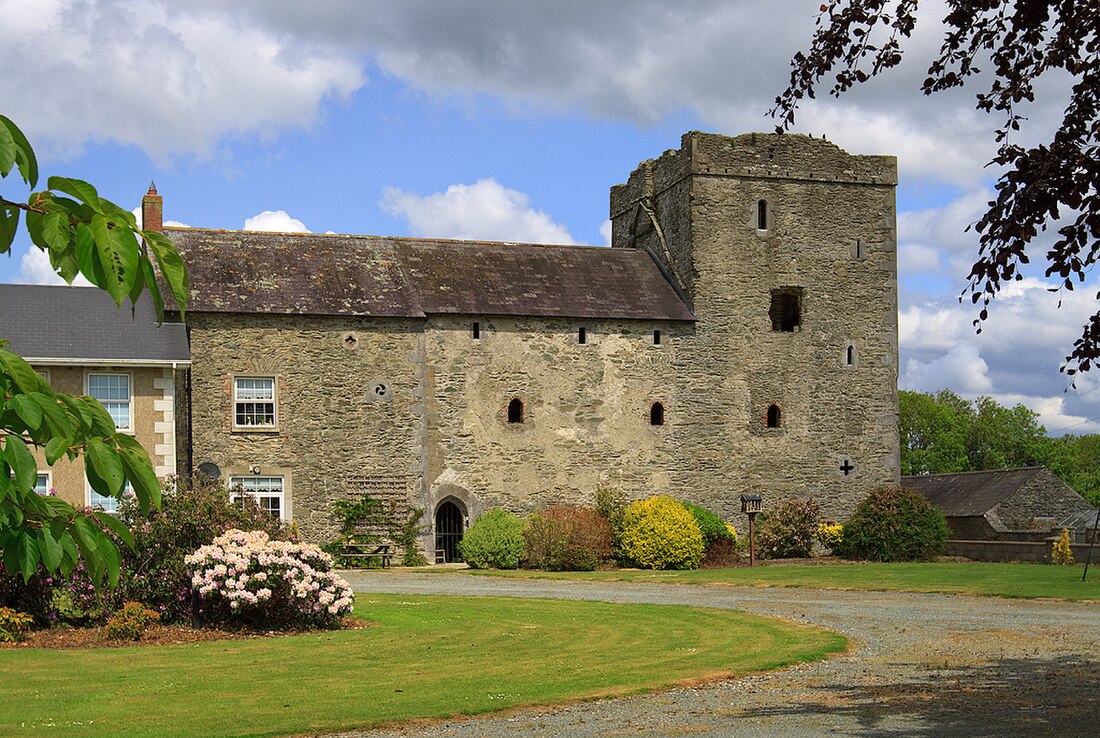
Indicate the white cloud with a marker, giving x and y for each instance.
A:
(35, 268)
(188, 75)
(485, 210)
(275, 221)
(961, 369)
(605, 232)
(162, 76)
(916, 258)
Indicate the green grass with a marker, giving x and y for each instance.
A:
(993, 580)
(427, 657)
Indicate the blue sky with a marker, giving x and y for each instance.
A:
(502, 120)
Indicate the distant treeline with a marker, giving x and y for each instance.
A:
(947, 433)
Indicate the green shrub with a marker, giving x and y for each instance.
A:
(611, 503)
(13, 624)
(894, 524)
(659, 533)
(712, 527)
(129, 622)
(494, 541)
(788, 530)
(34, 597)
(564, 538)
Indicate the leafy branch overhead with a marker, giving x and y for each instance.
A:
(83, 234)
(1018, 44)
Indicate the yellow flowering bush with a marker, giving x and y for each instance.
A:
(1062, 553)
(830, 535)
(659, 533)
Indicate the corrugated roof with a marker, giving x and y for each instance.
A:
(304, 273)
(82, 323)
(971, 493)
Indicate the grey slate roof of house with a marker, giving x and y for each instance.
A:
(83, 324)
(968, 494)
(304, 273)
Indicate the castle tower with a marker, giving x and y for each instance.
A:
(785, 248)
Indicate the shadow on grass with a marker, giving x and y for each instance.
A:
(1048, 697)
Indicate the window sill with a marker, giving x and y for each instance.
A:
(254, 429)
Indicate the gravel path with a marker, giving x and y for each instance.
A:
(924, 665)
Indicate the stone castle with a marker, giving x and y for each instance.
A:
(740, 336)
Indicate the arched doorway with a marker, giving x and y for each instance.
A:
(450, 524)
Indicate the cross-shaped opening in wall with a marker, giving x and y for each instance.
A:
(847, 467)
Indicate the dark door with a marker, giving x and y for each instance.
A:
(449, 527)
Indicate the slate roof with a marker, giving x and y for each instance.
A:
(316, 274)
(968, 494)
(82, 324)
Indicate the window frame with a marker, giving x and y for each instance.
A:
(49, 482)
(236, 482)
(131, 426)
(111, 507)
(235, 402)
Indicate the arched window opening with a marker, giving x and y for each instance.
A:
(657, 414)
(515, 410)
(850, 355)
(762, 215)
(775, 416)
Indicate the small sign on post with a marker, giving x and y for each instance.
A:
(750, 505)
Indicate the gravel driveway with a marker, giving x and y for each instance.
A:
(923, 665)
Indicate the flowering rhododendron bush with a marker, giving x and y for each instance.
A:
(247, 577)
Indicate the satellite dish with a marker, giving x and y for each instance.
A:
(210, 470)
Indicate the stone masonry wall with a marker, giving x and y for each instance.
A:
(392, 406)
(586, 410)
(820, 203)
(1045, 496)
(349, 407)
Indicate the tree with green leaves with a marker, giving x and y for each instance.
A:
(83, 234)
(946, 433)
(1020, 48)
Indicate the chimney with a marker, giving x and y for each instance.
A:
(152, 210)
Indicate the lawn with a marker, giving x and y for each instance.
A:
(427, 657)
(995, 580)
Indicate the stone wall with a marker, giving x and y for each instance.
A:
(830, 233)
(1044, 496)
(1036, 552)
(586, 409)
(350, 410)
(385, 405)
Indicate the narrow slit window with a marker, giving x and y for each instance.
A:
(761, 215)
(657, 337)
(850, 355)
(476, 330)
(582, 335)
(657, 414)
(859, 249)
(515, 410)
(775, 416)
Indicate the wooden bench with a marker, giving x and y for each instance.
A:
(351, 552)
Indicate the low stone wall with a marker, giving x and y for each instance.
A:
(1027, 551)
